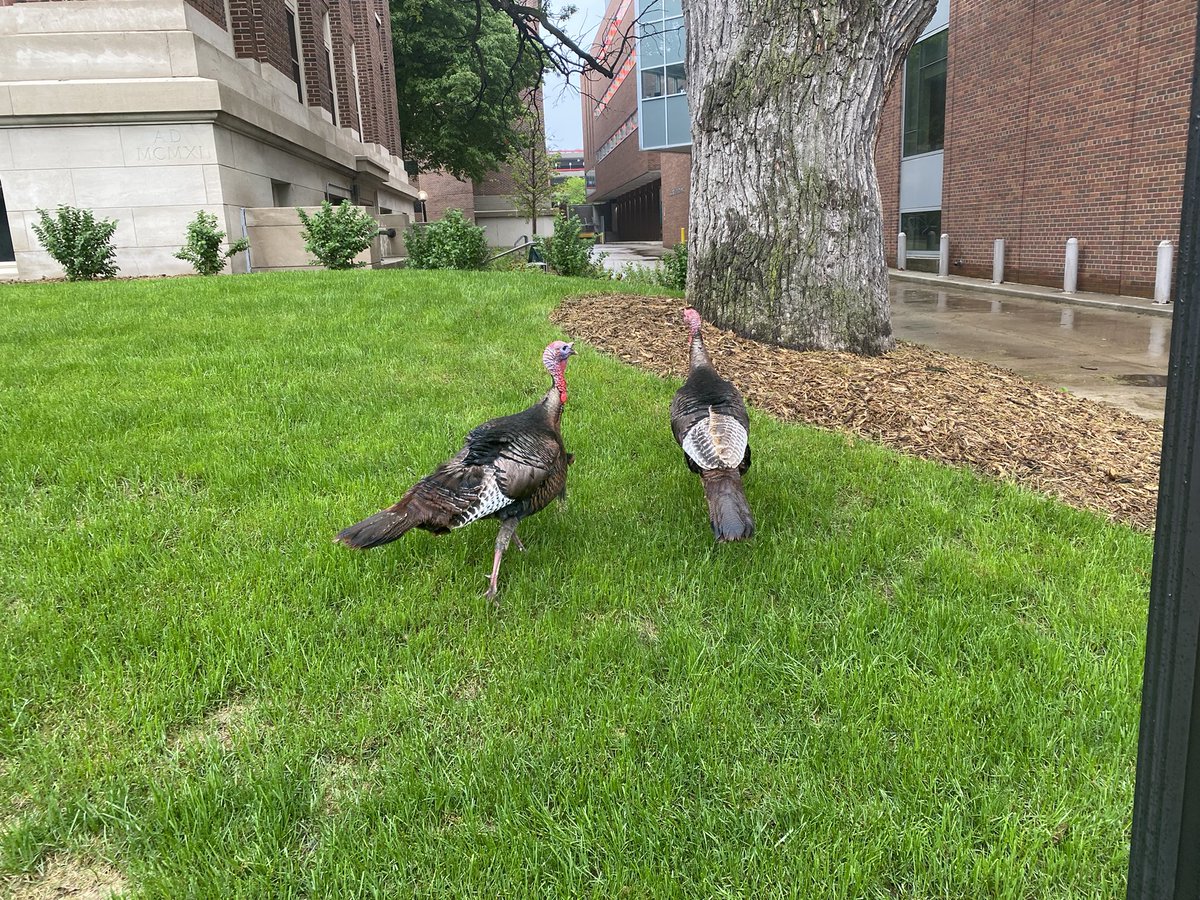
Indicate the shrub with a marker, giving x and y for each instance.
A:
(203, 246)
(674, 268)
(452, 243)
(335, 235)
(567, 252)
(80, 244)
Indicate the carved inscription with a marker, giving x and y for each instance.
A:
(169, 145)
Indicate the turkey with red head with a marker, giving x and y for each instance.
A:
(507, 469)
(709, 421)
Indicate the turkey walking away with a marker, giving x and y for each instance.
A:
(508, 468)
(709, 421)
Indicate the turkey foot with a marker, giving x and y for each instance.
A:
(508, 531)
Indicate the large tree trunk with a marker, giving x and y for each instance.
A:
(786, 241)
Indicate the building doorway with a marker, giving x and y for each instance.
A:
(6, 244)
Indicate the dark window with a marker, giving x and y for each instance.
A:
(294, 49)
(6, 244)
(925, 96)
(329, 97)
(676, 79)
(652, 83)
(924, 230)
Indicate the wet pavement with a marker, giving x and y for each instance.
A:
(647, 254)
(1111, 355)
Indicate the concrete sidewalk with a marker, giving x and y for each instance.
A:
(1106, 348)
(1035, 292)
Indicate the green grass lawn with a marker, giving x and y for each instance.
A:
(911, 683)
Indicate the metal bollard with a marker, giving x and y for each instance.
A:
(1071, 267)
(902, 251)
(944, 256)
(1162, 272)
(998, 261)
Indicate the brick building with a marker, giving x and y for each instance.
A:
(1032, 122)
(637, 183)
(489, 202)
(1039, 122)
(146, 111)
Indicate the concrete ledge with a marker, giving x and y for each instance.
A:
(1036, 292)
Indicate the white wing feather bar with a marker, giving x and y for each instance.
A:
(716, 442)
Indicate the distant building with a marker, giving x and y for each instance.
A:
(637, 178)
(489, 202)
(147, 111)
(569, 165)
(1031, 122)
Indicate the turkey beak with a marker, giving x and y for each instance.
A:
(571, 349)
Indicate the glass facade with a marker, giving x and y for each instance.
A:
(925, 96)
(923, 230)
(662, 75)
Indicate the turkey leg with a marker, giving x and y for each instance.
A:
(508, 530)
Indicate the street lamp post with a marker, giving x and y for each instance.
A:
(421, 198)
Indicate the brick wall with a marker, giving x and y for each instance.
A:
(1062, 120)
(887, 165)
(446, 192)
(213, 9)
(676, 171)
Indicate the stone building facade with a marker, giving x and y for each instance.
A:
(147, 111)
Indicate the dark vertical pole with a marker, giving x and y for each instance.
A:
(1164, 859)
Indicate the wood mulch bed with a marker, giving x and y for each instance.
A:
(919, 401)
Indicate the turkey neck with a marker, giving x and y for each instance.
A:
(556, 397)
(698, 356)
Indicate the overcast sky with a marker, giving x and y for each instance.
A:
(564, 112)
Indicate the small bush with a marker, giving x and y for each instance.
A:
(79, 243)
(452, 243)
(203, 246)
(567, 252)
(335, 235)
(674, 268)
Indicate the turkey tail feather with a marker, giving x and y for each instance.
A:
(381, 528)
(728, 510)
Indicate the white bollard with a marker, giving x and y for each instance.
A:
(1162, 273)
(944, 256)
(998, 261)
(902, 251)
(1071, 267)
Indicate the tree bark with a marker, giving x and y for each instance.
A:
(786, 242)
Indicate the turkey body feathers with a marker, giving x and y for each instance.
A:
(710, 424)
(509, 467)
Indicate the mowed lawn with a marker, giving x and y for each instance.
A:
(911, 683)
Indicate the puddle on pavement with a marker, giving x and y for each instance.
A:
(1140, 380)
(921, 309)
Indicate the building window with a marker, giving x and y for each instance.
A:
(6, 244)
(923, 230)
(362, 135)
(925, 96)
(661, 54)
(294, 50)
(331, 96)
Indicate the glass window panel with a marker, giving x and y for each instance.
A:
(653, 124)
(674, 8)
(650, 45)
(676, 46)
(676, 79)
(679, 123)
(653, 83)
(649, 9)
(924, 230)
(925, 96)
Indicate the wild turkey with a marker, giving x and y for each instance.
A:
(508, 469)
(709, 421)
